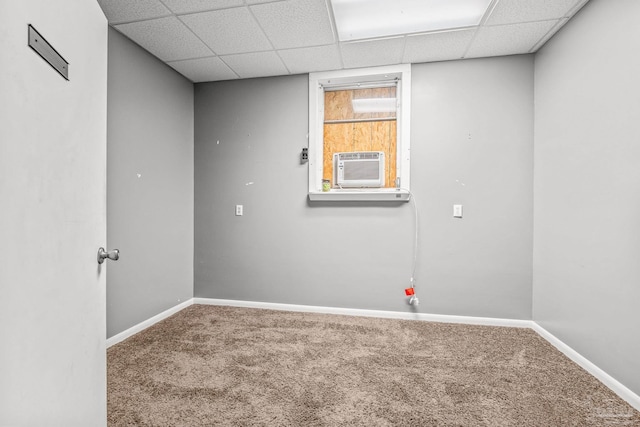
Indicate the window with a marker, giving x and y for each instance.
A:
(365, 110)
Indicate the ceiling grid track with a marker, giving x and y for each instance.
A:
(212, 40)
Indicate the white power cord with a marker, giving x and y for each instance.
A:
(414, 298)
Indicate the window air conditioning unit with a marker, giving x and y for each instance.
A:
(359, 169)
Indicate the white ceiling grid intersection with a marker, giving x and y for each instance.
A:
(211, 40)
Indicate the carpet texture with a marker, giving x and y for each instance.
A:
(226, 366)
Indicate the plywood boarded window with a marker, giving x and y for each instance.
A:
(348, 131)
(335, 126)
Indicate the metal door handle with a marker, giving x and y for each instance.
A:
(112, 255)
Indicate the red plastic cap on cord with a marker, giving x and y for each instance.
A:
(409, 291)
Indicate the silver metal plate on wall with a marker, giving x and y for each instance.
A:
(47, 52)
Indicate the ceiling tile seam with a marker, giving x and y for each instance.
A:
(548, 35)
(334, 30)
(167, 7)
(273, 48)
(266, 2)
(221, 57)
(448, 30)
(256, 51)
(229, 67)
(397, 36)
(487, 13)
(191, 59)
(197, 36)
(404, 48)
(264, 33)
(305, 47)
(112, 23)
(205, 10)
(216, 9)
(483, 20)
(418, 33)
(523, 22)
(576, 8)
(283, 63)
(470, 44)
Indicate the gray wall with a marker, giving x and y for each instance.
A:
(587, 187)
(472, 133)
(149, 218)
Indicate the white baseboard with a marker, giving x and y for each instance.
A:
(618, 388)
(149, 322)
(488, 321)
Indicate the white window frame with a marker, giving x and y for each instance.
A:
(317, 84)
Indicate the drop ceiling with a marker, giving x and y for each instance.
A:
(211, 40)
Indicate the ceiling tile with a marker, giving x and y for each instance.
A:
(127, 11)
(228, 31)
(166, 38)
(439, 46)
(295, 23)
(508, 39)
(373, 52)
(204, 69)
(297, 36)
(312, 59)
(550, 34)
(515, 11)
(258, 64)
(188, 6)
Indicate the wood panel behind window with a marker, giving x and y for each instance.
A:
(375, 135)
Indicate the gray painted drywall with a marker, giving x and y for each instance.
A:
(472, 127)
(587, 187)
(472, 144)
(149, 186)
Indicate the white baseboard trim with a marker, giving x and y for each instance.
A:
(617, 387)
(613, 384)
(488, 321)
(149, 322)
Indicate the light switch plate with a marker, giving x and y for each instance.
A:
(457, 211)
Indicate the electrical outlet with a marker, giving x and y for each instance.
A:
(239, 210)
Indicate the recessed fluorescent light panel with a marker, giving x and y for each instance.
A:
(374, 105)
(364, 19)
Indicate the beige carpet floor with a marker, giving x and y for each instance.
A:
(224, 366)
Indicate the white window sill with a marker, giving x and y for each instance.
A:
(357, 195)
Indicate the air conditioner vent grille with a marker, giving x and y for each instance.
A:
(359, 169)
(362, 155)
